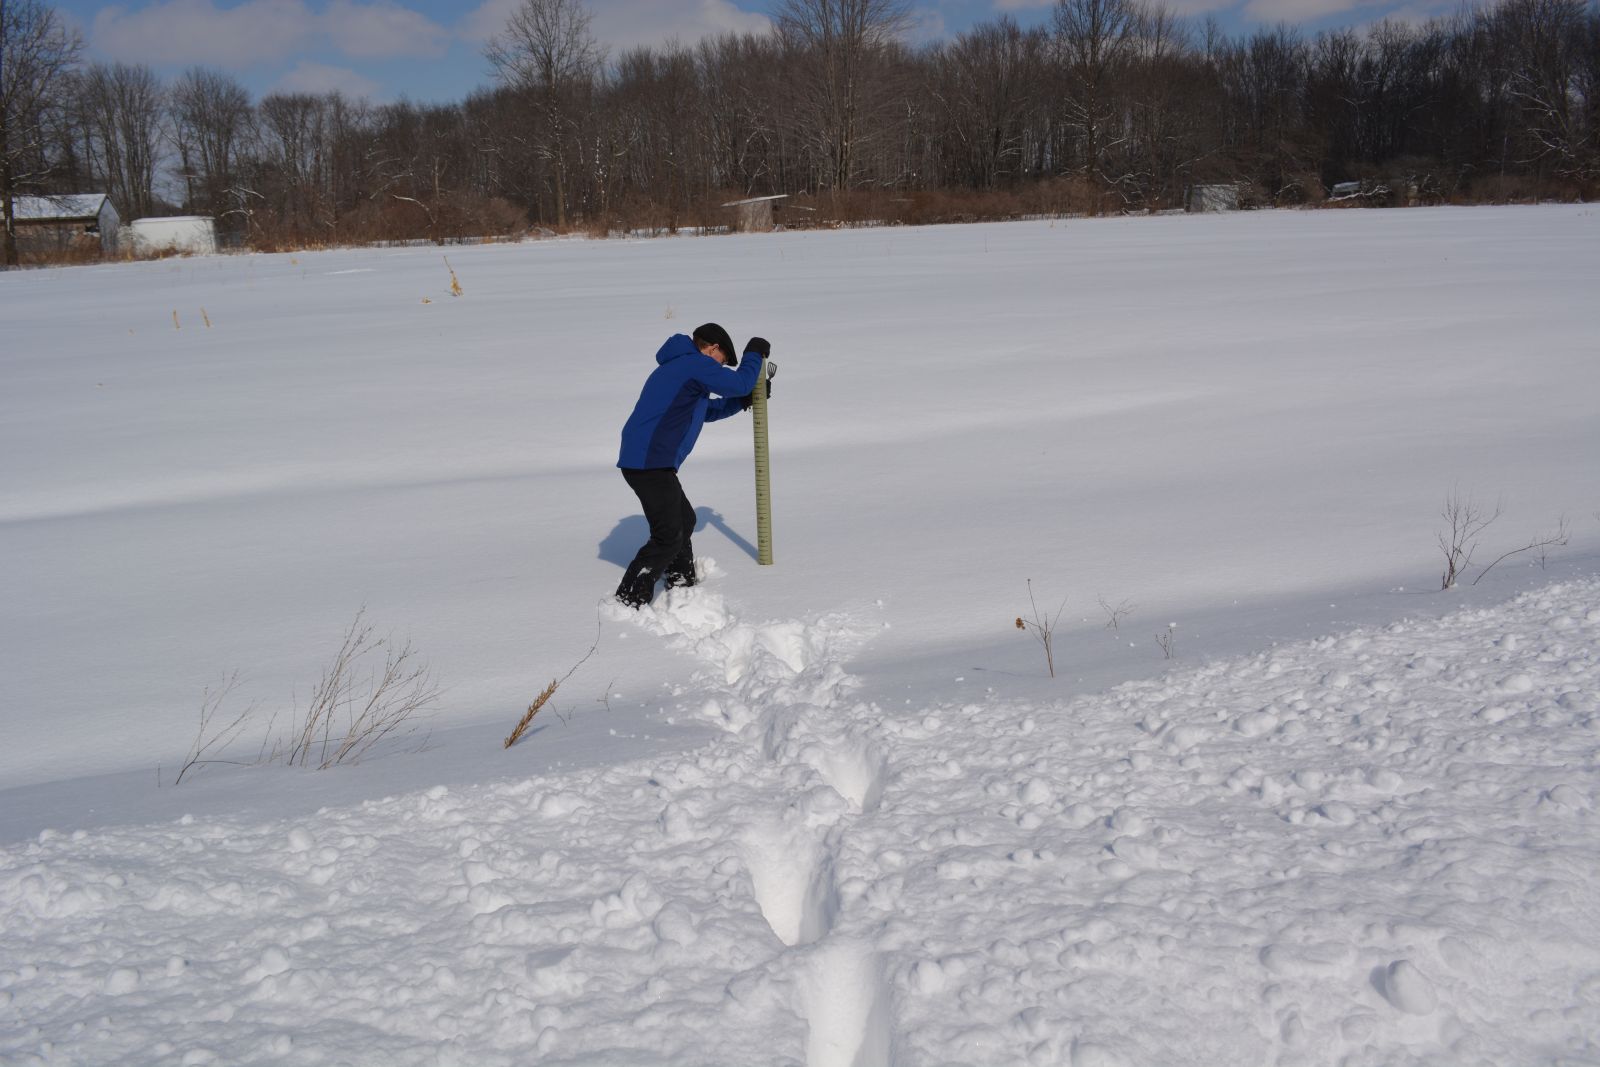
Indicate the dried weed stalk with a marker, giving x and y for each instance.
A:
(1466, 521)
(1043, 628)
(548, 692)
(1536, 544)
(353, 708)
(1115, 615)
(210, 704)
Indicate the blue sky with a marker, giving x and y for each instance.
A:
(432, 50)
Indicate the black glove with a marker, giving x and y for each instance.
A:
(760, 346)
(746, 401)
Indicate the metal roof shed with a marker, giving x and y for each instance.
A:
(58, 222)
(755, 214)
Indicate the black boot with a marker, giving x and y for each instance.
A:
(681, 570)
(637, 590)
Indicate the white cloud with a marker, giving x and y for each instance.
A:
(260, 31)
(926, 25)
(382, 30)
(622, 24)
(319, 78)
(486, 20)
(1293, 11)
(1189, 8)
(1416, 15)
(196, 31)
(1178, 7)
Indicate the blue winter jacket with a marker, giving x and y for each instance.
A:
(676, 399)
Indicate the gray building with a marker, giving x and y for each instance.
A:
(755, 214)
(61, 223)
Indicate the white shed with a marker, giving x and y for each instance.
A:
(173, 233)
(60, 222)
(755, 214)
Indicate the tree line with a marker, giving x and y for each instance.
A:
(1112, 105)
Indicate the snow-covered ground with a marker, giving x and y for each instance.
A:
(1377, 848)
(833, 812)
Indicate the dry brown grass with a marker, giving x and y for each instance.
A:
(354, 706)
(549, 691)
(533, 709)
(454, 219)
(77, 254)
(358, 704)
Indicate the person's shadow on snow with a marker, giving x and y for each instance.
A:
(630, 532)
(624, 540)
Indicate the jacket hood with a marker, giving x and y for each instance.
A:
(679, 344)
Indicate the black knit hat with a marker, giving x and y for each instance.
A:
(712, 334)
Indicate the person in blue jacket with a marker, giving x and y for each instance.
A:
(697, 379)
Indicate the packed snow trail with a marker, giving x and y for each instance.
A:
(1371, 849)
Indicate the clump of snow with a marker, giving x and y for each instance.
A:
(1408, 989)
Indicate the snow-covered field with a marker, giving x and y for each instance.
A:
(832, 812)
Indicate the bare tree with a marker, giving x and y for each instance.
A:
(1334, 92)
(659, 122)
(1545, 44)
(312, 151)
(990, 81)
(120, 110)
(843, 44)
(741, 84)
(1265, 78)
(212, 119)
(37, 53)
(546, 44)
(1095, 42)
(547, 52)
(1163, 143)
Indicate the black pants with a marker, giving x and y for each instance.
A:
(668, 552)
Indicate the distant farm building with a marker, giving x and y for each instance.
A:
(73, 221)
(194, 234)
(1214, 197)
(755, 214)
